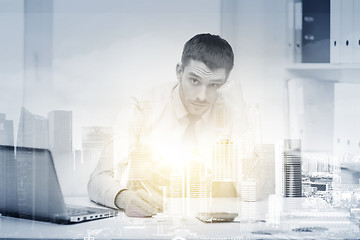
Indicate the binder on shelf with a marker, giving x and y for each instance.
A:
(346, 31)
(298, 31)
(315, 31)
(335, 26)
(291, 31)
(356, 32)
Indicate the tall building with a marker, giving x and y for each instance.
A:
(8, 197)
(94, 140)
(60, 131)
(60, 144)
(142, 112)
(7, 164)
(6, 131)
(38, 51)
(33, 130)
(140, 160)
(205, 194)
(177, 192)
(25, 182)
(224, 162)
(193, 178)
(224, 167)
(141, 152)
(176, 185)
(60, 140)
(248, 210)
(77, 159)
(289, 180)
(248, 191)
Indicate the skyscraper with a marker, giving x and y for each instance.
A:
(140, 152)
(6, 131)
(60, 144)
(94, 140)
(224, 160)
(77, 159)
(8, 197)
(7, 164)
(60, 131)
(177, 190)
(289, 181)
(140, 160)
(248, 191)
(33, 130)
(205, 193)
(224, 167)
(176, 185)
(38, 51)
(193, 178)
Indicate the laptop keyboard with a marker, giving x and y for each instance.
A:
(78, 212)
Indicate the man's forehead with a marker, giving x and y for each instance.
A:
(199, 69)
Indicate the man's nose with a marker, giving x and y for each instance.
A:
(201, 94)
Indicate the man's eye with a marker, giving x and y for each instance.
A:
(214, 85)
(194, 81)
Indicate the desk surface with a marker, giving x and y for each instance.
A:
(271, 219)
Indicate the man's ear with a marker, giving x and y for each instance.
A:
(179, 71)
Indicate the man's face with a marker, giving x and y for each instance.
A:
(199, 85)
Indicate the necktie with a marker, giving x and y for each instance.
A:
(189, 138)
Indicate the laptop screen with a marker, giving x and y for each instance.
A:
(31, 185)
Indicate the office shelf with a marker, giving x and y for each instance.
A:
(322, 66)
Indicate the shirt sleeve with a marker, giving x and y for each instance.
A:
(105, 182)
(110, 176)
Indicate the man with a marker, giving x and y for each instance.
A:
(167, 127)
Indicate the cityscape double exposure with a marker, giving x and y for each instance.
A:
(210, 119)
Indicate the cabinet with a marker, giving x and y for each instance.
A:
(324, 31)
(323, 97)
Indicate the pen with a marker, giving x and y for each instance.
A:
(149, 192)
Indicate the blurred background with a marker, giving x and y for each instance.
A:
(69, 66)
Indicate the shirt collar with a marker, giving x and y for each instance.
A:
(180, 111)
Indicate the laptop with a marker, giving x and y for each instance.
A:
(29, 188)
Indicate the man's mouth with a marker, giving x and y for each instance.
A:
(199, 104)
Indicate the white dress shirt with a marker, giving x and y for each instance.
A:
(149, 132)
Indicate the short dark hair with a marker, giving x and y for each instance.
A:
(212, 50)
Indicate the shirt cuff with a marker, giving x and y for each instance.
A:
(111, 195)
(117, 196)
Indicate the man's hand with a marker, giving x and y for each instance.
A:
(139, 203)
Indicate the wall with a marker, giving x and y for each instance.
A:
(260, 62)
(106, 51)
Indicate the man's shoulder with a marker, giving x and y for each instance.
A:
(158, 93)
(156, 100)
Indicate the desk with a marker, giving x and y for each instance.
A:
(270, 219)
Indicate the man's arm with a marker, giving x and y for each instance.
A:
(108, 183)
(104, 185)
(106, 189)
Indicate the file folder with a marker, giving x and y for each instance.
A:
(356, 32)
(316, 31)
(291, 31)
(346, 31)
(298, 30)
(335, 26)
